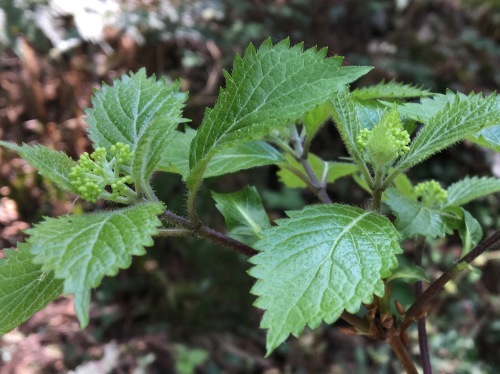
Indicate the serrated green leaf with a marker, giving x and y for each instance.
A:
(268, 88)
(390, 90)
(320, 261)
(468, 189)
(83, 249)
(24, 288)
(428, 106)
(140, 111)
(460, 118)
(254, 153)
(470, 232)
(244, 214)
(53, 165)
(409, 274)
(334, 170)
(413, 218)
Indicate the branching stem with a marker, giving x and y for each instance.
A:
(419, 307)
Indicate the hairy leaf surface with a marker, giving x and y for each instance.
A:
(244, 213)
(460, 118)
(83, 249)
(469, 189)
(53, 165)
(390, 90)
(24, 288)
(269, 87)
(140, 111)
(320, 261)
(347, 121)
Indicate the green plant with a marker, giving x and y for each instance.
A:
(321, 263)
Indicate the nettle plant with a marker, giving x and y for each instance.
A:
(320, 263)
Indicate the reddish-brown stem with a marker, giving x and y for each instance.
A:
(402, 354)
(206, 232)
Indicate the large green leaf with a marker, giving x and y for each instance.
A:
(321, 261)
(24, 288)
(468, 189)
(461, 117)
(239, 157)
(53, 165)
(413, 218)
(244, 214)
(390, 90)
(140, 111)
(83, 249)
(268, 88)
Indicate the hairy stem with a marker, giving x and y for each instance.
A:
(202, 231)
(421, 323)
(419, 307)
(377, 190)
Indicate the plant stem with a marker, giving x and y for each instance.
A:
(202, 231)
(420, 305)
(377, 190)
(402, 354)
(421, 323)
(301, 156)
(181, 232)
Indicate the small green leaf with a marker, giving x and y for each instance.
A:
(320, 261)
(244, 214)
(370, 112)
(268, 88)
(83, 249)
(24, 288)
(468, 189)
(242, 156)
(53, 165)
(390, 90)
(470, 232)
(139, 111)
(414, 218)
(333, 170)
(460, 118)
(409, 274)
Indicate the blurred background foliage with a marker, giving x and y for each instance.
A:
(185, 307)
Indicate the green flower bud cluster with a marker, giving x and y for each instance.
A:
(431, 192)
(94, 173)
(386, 141)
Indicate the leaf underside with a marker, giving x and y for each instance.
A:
(83, 249)
(316, 263)
(24, 288)
(244, 214)
(390, 90)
